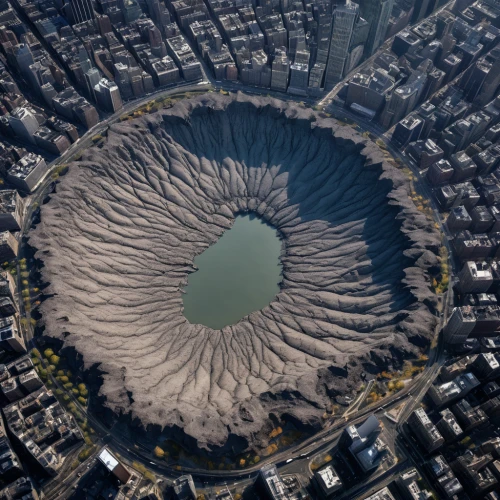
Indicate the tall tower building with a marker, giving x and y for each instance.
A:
(377, 13)
(92, 78)
(24, 124)
(344, 21)
(81, 11)
(108, 95)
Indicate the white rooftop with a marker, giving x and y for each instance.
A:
(107, 459)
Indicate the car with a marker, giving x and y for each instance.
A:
(79, 474)
(289, 460)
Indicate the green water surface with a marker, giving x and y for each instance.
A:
(236, 276)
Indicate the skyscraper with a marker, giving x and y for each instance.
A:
(377, 13)
(108, 95)
(344, 21)
(81, 11)
(23, 123)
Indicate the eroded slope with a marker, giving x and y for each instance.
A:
(119, 238)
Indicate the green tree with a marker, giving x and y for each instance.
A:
(48, 353)
(54, 360)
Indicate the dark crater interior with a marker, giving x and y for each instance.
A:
(119, 237)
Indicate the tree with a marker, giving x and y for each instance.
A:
(48, 353)
(150, 476)
(275, 432)
(399, 385)
(82, 401)
(68, 386)
(64, 379)
(84, 454)
(54, 360)
(159, 452)
(60, 373)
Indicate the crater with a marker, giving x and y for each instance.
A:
(120, 237)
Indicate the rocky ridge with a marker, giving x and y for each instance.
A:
(119, 237)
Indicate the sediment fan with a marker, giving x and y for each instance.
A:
(119, 237)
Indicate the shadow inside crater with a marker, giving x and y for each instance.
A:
(328, 184)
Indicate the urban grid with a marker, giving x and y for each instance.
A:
(395, 393)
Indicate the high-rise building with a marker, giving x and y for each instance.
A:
(344, 21)
(358, 41)
(403, 100)
(30, 381)
(24, 57)
(475, 277)
(24, 124)
(425, 430)
(299, 73)
(271, 483)
(448, 426)
(280, 70)
(461, 323)
(81, 11)
(486, 365)
(328, 481)
(108, 95)
(490, 85)
(92, 77)
(421, 8)
(377, 13)
(11, 389)
(10, 337)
